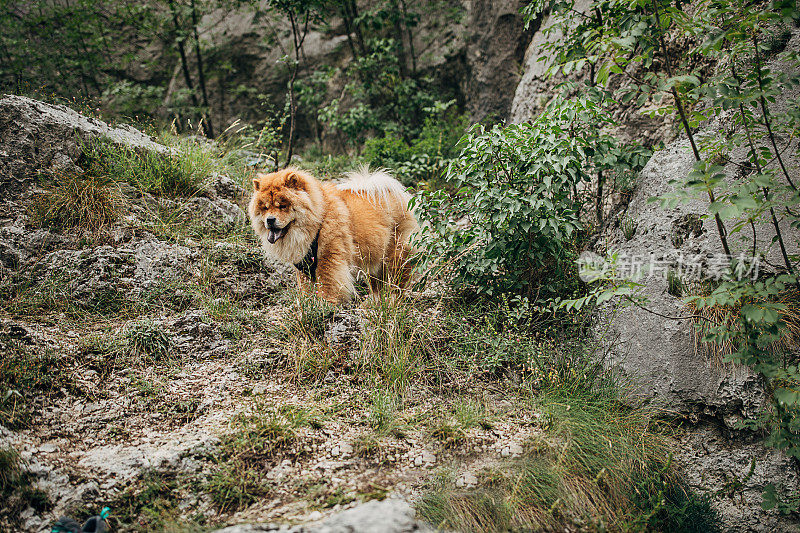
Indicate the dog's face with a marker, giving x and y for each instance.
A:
(279, 201)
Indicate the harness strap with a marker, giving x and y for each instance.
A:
(308, 265)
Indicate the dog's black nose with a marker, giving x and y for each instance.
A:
(271, 221)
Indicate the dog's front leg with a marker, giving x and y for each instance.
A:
(303, 283)
(334, 281)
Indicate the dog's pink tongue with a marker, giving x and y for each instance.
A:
(273, 236)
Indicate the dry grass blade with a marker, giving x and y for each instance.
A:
(78, 202)
(709, 318)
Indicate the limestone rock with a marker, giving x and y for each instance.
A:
(39, 138)
(713, 460)
(387, 516)
(659, 354)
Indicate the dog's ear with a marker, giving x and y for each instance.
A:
(294, 181)
(257, 181)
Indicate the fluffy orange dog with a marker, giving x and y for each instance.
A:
(327, 230)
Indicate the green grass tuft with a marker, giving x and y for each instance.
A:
(628, 226)
(148, 340)
(77, 202)
(181, 172)
(251, 448)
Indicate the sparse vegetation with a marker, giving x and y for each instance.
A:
(589, 472)
(385, 415)
(152, 504)
(17, 492)
(251, 448)
(83, 202)
(179, 172)
(24, 375)
(147, 339)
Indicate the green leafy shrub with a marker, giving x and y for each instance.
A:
(422, 170)
(381, 97)
(515, 222)
(441, 131)
(387, 151)
(425, 159)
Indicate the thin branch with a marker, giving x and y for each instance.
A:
(765, 113)
(723, 233)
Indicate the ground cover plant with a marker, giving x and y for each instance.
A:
(603, 465)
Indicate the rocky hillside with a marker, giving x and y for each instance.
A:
(144, 366)
(471, 51)
(155, 362)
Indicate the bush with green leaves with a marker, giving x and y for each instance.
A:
(382, 97)
(387, 151)
(422, 161)
(515, 222)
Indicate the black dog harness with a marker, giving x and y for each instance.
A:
(308, 265)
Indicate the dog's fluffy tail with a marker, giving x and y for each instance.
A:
(377, 185)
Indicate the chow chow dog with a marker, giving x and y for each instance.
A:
(327, 230)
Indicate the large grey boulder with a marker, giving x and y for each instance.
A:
(388, 516)
(38, 138)
(658, 351)
(536, 87)
(659, 355)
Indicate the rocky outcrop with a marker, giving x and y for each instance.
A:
(667, 368)
(734, 468)
(38, 138)
(471, 50)
(494, 55)
(537, 87)
(659, 354)
(127, 265)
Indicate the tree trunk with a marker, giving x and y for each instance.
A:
(201, 77)
(187, 78)
(410, 38)
(397, 29)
